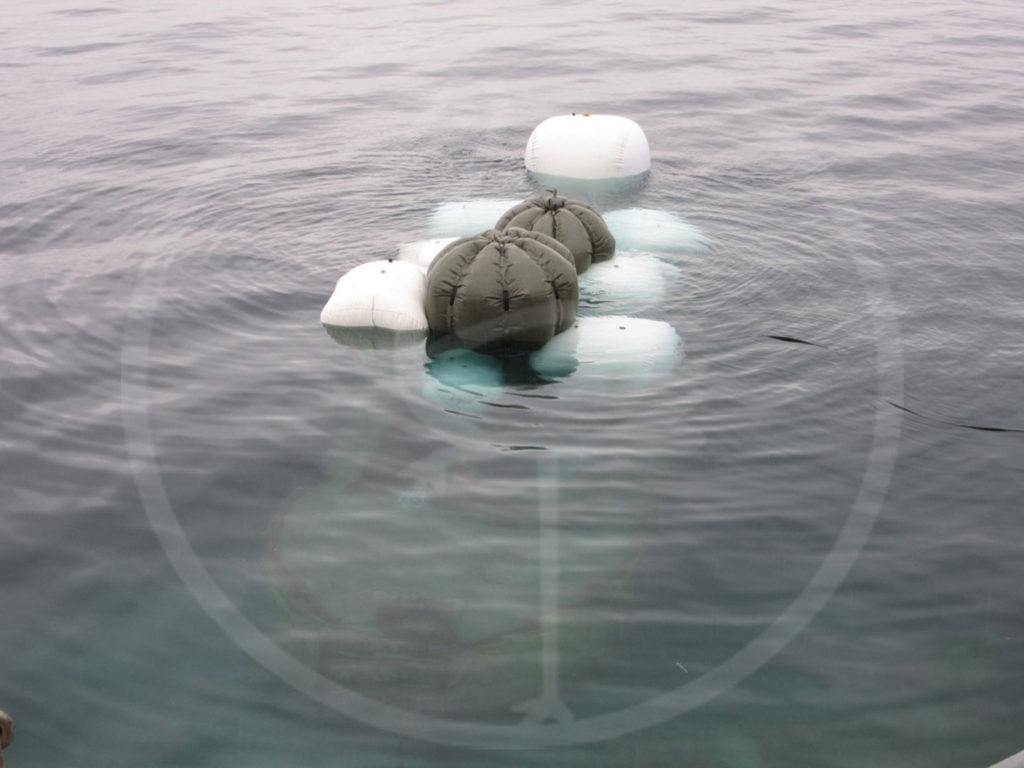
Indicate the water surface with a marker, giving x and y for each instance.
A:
(200, 484)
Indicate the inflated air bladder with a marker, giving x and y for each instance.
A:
(614, 353)
(647, 229)
(585, 146)
(380, 294)
(463, 218)
(630, 284)
(374, 338)
(576, 225)
(422, 252)
(513, 286)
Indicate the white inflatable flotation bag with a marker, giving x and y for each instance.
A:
(647, 229)
(422, 252)
(465, 218)
(586, 146)
(628, 284)
(612, 353)
(379, 294)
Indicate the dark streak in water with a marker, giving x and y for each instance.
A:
(87, 11)
(72, 50)
(461, 413)
(794, 340)
(953, 423)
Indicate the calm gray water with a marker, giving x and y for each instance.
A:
(228, 540)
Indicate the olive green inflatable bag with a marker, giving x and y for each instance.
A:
(497, 287)
(575, 225)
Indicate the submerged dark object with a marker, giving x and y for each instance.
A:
(575, 225)
(497, 287)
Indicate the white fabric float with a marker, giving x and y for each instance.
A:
(378, 294)
(422, 252)
(615, 352)
(647, 229)
(585, 146)
(469, 217)
(628, 284)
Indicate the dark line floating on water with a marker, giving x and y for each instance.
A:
(953, 423)
(793, 340)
